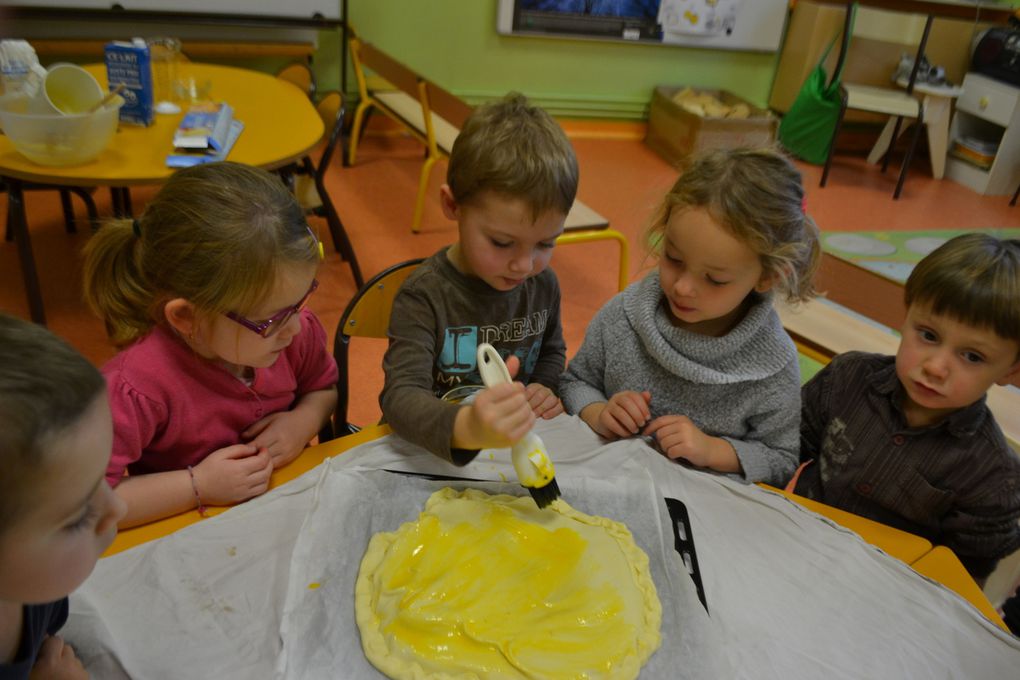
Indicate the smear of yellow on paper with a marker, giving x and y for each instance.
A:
(561, 621)
(314, 586)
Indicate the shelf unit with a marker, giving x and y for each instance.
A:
(988, 109)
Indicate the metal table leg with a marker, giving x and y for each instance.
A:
(18, 224)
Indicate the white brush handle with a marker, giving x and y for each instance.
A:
(530, 459)
(491, 367)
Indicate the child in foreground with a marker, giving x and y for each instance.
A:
(224, 374)
(511, 181)
(909, 440)
(694, 355)
(57, 513)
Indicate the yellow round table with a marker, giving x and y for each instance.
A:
(280, 126)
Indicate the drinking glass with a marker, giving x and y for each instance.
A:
(165, 55)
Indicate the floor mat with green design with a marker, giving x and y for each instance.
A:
(893, 254)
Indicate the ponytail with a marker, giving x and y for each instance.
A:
(214, 235)
(114, 287)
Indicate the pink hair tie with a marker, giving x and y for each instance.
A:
(803, 204)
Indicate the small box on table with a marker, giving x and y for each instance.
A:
(204, 127)
(675, 132)
(128, 63)
(206, 134)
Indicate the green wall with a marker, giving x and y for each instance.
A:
(454, 43)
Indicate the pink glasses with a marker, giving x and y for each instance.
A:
(277, 321)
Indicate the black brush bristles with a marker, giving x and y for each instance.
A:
(544, 495)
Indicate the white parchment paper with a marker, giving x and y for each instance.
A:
(790, 594)
(321, 638)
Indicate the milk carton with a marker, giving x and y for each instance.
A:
(128, 63)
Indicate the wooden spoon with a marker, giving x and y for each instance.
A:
(106, 100)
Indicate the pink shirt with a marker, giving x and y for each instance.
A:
(171, 408)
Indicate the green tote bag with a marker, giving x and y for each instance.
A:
(806, 129)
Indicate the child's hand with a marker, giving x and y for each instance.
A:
(544, 404)
(498, 417)
(233, 474)
(281, 433)
(57, 661)
(678, 437)
(624, 415)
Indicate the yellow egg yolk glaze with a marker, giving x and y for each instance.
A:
(505, 590)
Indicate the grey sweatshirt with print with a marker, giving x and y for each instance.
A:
(439, 317)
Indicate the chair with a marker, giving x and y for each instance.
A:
(307, 181)
(434, 117)
(300, 74)
(367, 315)
(893, 102)
(584, 225)
(408, 104)
(937, 104)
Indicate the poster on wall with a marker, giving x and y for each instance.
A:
(751, 25)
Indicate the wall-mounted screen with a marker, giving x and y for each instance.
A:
(754, 25)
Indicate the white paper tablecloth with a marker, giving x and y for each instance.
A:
(320, 636)
(790, 595)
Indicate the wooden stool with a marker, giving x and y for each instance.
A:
(937, 106)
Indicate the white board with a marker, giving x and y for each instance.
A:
(289, 9)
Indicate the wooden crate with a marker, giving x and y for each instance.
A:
(674, 133)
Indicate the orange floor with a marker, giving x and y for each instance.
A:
(620, 178)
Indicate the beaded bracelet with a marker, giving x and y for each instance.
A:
(194, 487)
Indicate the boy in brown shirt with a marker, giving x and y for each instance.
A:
(511, 181)
(908, 440)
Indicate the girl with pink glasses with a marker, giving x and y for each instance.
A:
(223, 374)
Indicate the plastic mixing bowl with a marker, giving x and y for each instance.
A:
(56, 139)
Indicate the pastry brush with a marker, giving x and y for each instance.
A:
(531, 462)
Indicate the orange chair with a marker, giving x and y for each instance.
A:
(300, 74)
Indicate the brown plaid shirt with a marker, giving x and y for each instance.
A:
(956, 483)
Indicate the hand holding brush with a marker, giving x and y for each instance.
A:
(531, 462)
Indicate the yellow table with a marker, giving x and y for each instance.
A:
(904, 546)
(942, 565)
(280, 126)
(309, 458)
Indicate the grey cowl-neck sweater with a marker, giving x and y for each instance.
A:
(743, 386)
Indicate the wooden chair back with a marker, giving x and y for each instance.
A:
(308, 178)
(395, 73)
(331, 110)
(300, 74)
(849, 24)
(447, 105)
(367, 315)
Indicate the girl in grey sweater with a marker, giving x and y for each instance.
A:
(694, 355)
